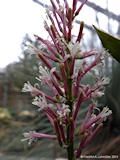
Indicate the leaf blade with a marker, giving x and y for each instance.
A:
(109, 42)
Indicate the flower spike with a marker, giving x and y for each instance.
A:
(62, 72)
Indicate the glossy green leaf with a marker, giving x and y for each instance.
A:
(112, 44)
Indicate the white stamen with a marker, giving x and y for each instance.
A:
(97, 94)
(74, 48)
(105, 112)
(44, 74)
(64, 111)
(104, 81)
(27, 87)
(40, 102)
(29, 137)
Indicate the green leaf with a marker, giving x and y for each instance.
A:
(112, 44)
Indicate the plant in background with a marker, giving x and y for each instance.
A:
(64, 81)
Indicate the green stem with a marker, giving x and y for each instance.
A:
(70, 152)
(70, 148)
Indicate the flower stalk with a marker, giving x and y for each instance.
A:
(65, 84)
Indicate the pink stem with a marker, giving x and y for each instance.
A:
(56, 43)
(37, 92)
(74, 5)
(47, 44)
(93, 134)
(79, 9)
(53, 31)
(55, 10)
(48, 64)
(42, 135)
(57, 129)
(56, 85)
(64, 26)
(72, 66)
(82, 55)
(53, 23)
(80, 32)
(77, 105)
(70, 15)
(53, 4)
(88, 94)
(93, 64)
(81, 74)
(51, 113)
(91, 121)
(81, 146)
(50, 119)
(62, 133)
(45, 61)
(53, 36)
(58, 23)
(66, 5)
(63, 20)
(89, 112)
(64, 78)
(51, 57)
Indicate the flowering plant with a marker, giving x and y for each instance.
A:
(65, 82)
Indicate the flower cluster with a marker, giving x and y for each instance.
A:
(65, 84)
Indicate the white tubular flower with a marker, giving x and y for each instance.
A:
(63, 112)
(60, 114)
(105, 113)
(104, 81)
(27, 87)
(40, 102)
(97, 93)
(66, 109)
(44, 74)
(74, 48)
(61, 8)
(29, 137)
